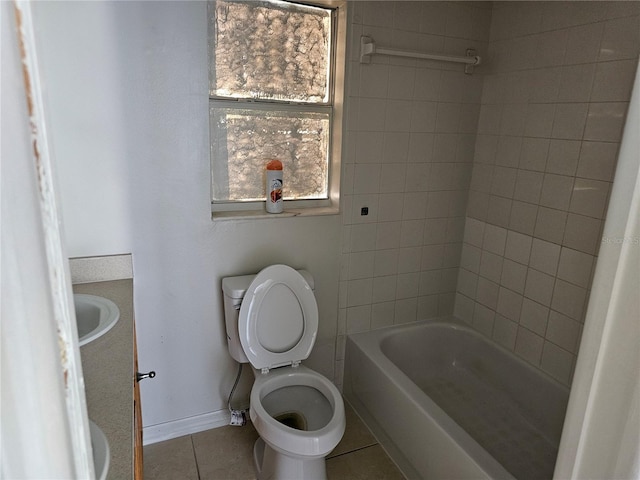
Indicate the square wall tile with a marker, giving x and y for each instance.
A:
(414, 205)
(534, 316)
(411, 233)
(563, 331)
(392, 178)
(597, 160)
(409, 259)
(539, 287)
(620, 39)
(385, 236)
(518, 247)
(487, 293)
(467, 283)
(363, 237)
(509, 304)
(569, 299)
(528, 186)
(470, 258)
(523, 217)
(391, 207)
(504, 332)
(407, 285)
(539, 121)
(590, 197)
(614, 81)
(556, 191)
(576, 82)
(431, 257)
(550, 225)
(582, 233)
(396, 147)
(491, 266)
(583, 44)
(436, 230)
(514, 275)
(529, 346)
(384, 288)
(494, 239)
(366, 179)
(368, 147)
(359, 292)
(406, 311)
(358, 319)
(575, 267)
(569, 120)
(544, 256)
(361, 265)
(427, 307)
(563, 157)
(605, 121)
(483, 319)
(557, 362)
(463, 308)
(533, 154)
(499, 211)
(386, 262)
(430, 282)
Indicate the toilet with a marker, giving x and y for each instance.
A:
(271, 321)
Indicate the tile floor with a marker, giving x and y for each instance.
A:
(225, 453)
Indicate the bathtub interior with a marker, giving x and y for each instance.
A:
(511, 410)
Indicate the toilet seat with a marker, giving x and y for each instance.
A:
(278, 319)
(304, 443)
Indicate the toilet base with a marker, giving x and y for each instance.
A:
(273, 465)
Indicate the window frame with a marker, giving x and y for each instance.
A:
(335, 108)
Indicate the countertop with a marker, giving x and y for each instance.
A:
(108, 370)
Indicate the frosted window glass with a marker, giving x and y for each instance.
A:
(270, 50)
(247, 138)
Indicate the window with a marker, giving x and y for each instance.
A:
(275, 91)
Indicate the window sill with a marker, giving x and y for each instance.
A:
(262, 214)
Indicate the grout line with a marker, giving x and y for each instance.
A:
(354, 450)
(195, 457)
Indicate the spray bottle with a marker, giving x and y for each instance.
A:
(274, 202)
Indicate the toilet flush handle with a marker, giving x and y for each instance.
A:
(142, 376)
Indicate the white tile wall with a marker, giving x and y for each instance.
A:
(552, 112)
(486, 193)
(411, 134)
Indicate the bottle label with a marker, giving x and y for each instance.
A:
(274, 191)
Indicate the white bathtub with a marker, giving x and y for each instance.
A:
(446, 402)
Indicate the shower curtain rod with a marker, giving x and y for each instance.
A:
(368, 48)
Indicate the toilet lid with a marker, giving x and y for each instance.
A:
(278, 318)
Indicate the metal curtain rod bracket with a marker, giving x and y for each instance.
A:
(368, 48)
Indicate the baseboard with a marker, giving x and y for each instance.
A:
(185, 426)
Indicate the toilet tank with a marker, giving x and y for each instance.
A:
(233, 289)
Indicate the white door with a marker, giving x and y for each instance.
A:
(44, 429)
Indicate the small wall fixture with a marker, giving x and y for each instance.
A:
(368, 48)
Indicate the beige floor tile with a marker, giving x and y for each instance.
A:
(225, 453)
(368, 463)
(170, 460)
(356, 434)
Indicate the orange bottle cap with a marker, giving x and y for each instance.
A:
(274, 165)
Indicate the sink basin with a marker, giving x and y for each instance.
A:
(95, 316)
(101, 455)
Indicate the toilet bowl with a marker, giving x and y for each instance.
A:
(271, 321)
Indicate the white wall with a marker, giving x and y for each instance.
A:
(127, 84)
(84, 91)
